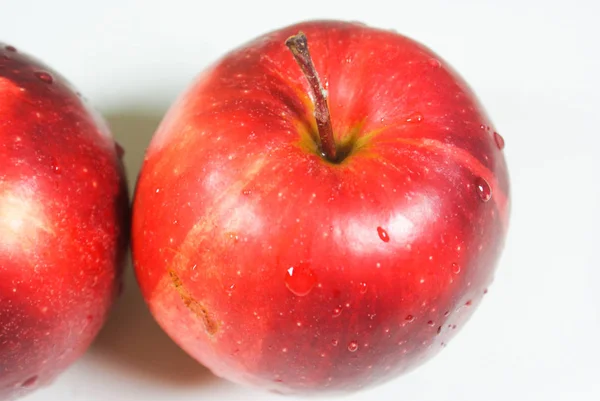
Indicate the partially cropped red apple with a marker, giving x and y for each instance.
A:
(63, 223)
(305, 227)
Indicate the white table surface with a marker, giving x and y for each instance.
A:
(535, 65)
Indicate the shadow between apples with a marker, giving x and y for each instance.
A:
(131, 339)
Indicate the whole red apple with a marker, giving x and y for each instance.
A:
(63, 223)
(307, 234)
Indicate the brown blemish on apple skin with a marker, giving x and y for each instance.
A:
(210, 324)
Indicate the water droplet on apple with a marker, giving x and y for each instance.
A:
(455, 268)
(335, 343)
(485, 291)
(55, 167)
(44, 77)
(431, 323)
(483, 189)
(454, 327)
(439, 329)
(414, 118)
(469, 303)
(195, 273)
(300, 279)
(499, 140)
(230, 289)
(383, 234)
(362, 288)
(409, 318)
(447, 313)
(435, 63)
(482, 126)
(337, 311)
(31, 382)
(352, 346)
(11, 48)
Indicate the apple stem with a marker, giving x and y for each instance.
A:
(298, 45)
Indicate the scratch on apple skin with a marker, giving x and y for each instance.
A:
(210, 324)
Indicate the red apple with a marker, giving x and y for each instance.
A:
(299, 247)
(63, 223)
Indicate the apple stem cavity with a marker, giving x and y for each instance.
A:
(298, 45)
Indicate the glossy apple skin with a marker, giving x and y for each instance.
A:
(391, 250)
(63, 223)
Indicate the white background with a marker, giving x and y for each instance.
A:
(534, 64)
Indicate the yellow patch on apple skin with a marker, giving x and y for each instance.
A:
(21, 220)
(231, 217)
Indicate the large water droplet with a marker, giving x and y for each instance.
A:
(31, 382)
(44, 77)
(499, 140)
(300, 279)
(414, 118)
(455, 268)
(383, 234)
(483, 189)
(352, 346)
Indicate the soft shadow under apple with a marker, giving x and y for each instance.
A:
(131, 339)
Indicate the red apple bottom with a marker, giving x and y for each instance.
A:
(343, 335)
